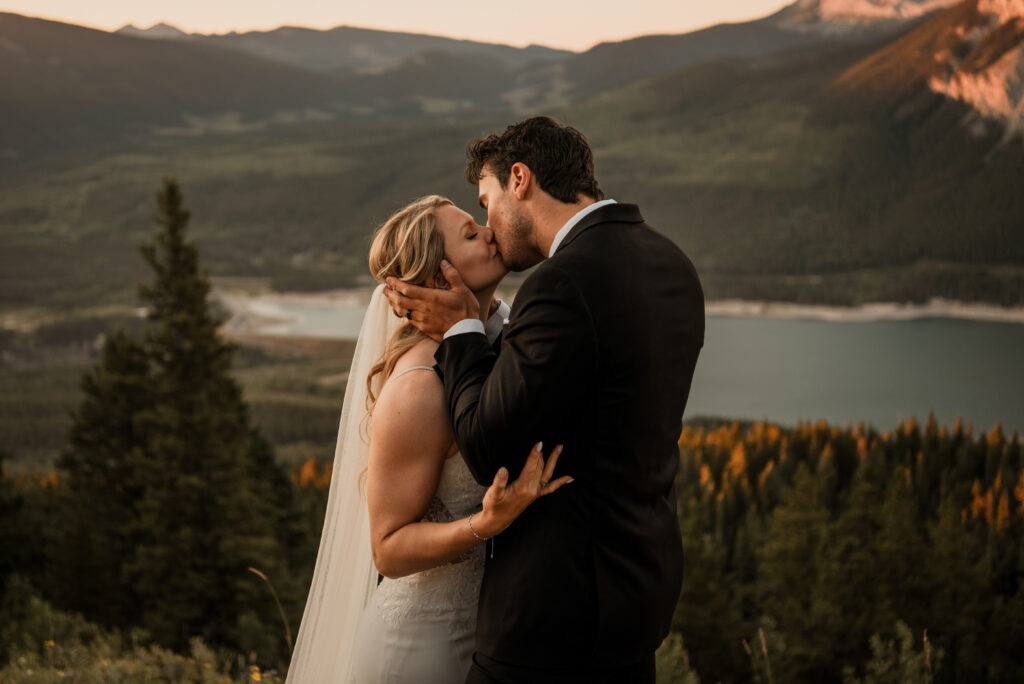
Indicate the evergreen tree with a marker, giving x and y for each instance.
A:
(898, 661)
(180, 493)
(786, 583)
(847, 599)
(1008, 632)
(201, 517)
(10, 535)
(961, 599)
(901, 551)
(107, 441)
(828, 479)
(705, 617)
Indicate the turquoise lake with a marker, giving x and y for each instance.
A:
(790, 370)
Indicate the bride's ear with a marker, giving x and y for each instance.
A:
(440, 281)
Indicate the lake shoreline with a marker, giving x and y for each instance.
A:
(864, 313)
(257, 313)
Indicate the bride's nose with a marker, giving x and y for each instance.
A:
(487, 233)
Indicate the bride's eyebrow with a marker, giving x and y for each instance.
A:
(467, 227)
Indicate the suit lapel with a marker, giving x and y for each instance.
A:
(611, 213)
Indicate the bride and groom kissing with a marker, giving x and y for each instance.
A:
(502, 507)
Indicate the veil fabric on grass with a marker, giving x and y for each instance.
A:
(344, 577)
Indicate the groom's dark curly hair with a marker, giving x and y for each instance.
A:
(559, 157)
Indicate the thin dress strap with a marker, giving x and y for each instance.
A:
(411, 368)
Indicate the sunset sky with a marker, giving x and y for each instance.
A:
(573, 24)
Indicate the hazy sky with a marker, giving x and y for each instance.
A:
(573, 24)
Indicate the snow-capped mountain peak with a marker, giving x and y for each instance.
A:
(846, 16)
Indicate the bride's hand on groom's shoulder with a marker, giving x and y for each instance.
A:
(505, 501)
(433, 310)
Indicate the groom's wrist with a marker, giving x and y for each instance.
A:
(466, 325)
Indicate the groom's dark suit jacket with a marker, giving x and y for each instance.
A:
(598, 355)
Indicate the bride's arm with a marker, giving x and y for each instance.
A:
(410, 439)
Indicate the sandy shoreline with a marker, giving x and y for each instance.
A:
(876, 311)
(267, 313)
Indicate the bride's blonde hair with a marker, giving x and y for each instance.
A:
(409, 247)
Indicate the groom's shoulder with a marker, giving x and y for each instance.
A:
(551, 274)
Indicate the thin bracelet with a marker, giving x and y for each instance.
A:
(469, 520)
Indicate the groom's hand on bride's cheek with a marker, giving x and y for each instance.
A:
(433, 310)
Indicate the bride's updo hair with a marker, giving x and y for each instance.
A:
(408, 247)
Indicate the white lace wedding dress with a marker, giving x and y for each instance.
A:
(419, 629)
(413, 630)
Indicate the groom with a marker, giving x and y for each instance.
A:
(598, 355)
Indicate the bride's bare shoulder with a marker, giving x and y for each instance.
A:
(414, 399)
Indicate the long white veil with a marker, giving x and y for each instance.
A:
(344, 577)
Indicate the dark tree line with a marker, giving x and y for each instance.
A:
(826, 537)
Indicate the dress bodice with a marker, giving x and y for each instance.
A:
(451, 590)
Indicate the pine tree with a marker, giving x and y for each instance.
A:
(901, 549)
(1008, 632)
(962, 600)
(786, 584)
(182, 494)
(201, 516)
(107, 440)
(10, 535)
(704, 616)
(846, 592)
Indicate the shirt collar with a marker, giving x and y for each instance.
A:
(564, 230)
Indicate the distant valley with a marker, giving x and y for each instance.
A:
(830, 153)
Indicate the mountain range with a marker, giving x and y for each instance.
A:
(84, 83)
(837, 150)
(837, 17)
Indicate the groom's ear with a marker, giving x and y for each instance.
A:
(520, 177)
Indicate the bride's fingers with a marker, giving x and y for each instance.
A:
(549, 468)
(500, 482)
(555, 485)
(534, 463)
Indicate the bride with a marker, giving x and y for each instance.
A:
(402, 503)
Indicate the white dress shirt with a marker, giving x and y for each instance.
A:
(571, 223)
(495, 322)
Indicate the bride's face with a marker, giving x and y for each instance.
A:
(470, 248)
